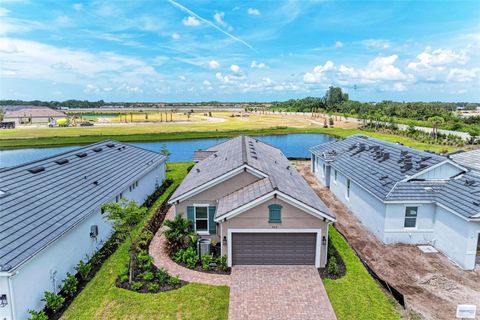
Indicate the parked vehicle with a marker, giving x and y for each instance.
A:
(7, 125)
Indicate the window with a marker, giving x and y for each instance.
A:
(323, 170)
(348, 188)
(410, 217)
(201, 219)
(335, 176)
(274, 213)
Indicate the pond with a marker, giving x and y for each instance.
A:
(292, 145)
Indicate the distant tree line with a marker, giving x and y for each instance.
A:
(435, 114)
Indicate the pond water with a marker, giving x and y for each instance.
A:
(292, 145)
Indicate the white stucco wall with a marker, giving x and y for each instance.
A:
(32, 279)
(367, 208)
(423, 233)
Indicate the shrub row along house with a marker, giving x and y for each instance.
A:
(246, 195)
(404, 195)
(51, 215)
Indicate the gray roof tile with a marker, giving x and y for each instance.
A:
(38, 208)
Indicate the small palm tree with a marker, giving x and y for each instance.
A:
(178, 232)
(436, 122)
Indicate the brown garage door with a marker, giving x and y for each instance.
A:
(273, 248)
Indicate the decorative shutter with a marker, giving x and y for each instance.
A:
(212, 226)
(191, 217)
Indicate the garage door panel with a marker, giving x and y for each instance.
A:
(274, 248)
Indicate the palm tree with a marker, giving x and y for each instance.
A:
(436, 122)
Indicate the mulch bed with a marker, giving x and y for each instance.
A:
(342, 269)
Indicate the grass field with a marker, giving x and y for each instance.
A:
(101, 299)
(222, 125)
(357, 295)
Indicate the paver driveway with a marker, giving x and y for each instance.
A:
(278, 292)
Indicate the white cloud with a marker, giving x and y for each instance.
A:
(235, 68)
(257, 65)
(383, 68)
(175, 36)
(77, 6)
(229, 78)
(399, 87)
(318, 73)
(191, 21)
(463, 75)
(253, 12)
(206, 83)
(218, 17)
(214, 64)
(183, 78)
(338, 44)
(4, 12)
(439, 57)
(34, 60)
(376, 43)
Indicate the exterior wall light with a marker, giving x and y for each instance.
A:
(225, 240)
(324, 240)
(3, 300)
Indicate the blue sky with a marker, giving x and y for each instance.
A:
(239, 50)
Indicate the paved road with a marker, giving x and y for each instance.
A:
(278, 292)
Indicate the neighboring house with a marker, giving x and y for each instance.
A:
(33, 114)
(51, 216)
(245, 194)
(403, 195)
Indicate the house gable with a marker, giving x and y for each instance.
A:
(442, 171)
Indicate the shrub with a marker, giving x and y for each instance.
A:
(332, 267)
(145, 238)
(174, 281)
(207, 259)
(136, 285)
(153, 287)
(144, 259)
(222, 263)
(162, 276)
(187, 256)
(70, 284)
(124, 278)
(330, 121)
(53, 301)
(37, 315)
(147, 276)
(177, 233)
(83, 269)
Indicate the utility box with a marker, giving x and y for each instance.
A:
(93, 231)
(204, 247)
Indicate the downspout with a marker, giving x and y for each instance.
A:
(10, 293)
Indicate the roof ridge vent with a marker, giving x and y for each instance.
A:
(97, 149)
(61, 161)
(198, 170)
(81, 154)
(110, 145)
(36, 169)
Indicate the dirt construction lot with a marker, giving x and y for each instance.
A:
(432, 285)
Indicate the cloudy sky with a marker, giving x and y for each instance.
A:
(169, 50)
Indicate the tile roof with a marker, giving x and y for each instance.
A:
(383, 178)
(34, 112)
(37, 208)
(244, 150)
(469, 159)
(374, 164)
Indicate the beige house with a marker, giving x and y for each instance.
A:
(33, 114)
(246, 195)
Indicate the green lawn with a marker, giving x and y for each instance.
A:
(101, 299)
(7, 142)
(357, 295)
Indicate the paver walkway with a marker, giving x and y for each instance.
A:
(162, 260)
(278, 292)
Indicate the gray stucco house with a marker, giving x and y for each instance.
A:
(403, 195)
(245, 194)
(33, 114)
(51, 215)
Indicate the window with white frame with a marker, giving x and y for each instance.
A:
(410, 217)
(201, 219)
(348, 189)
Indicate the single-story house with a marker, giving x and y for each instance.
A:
(246, 195)
(51, 215)
(33, 114)
(403, 195)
